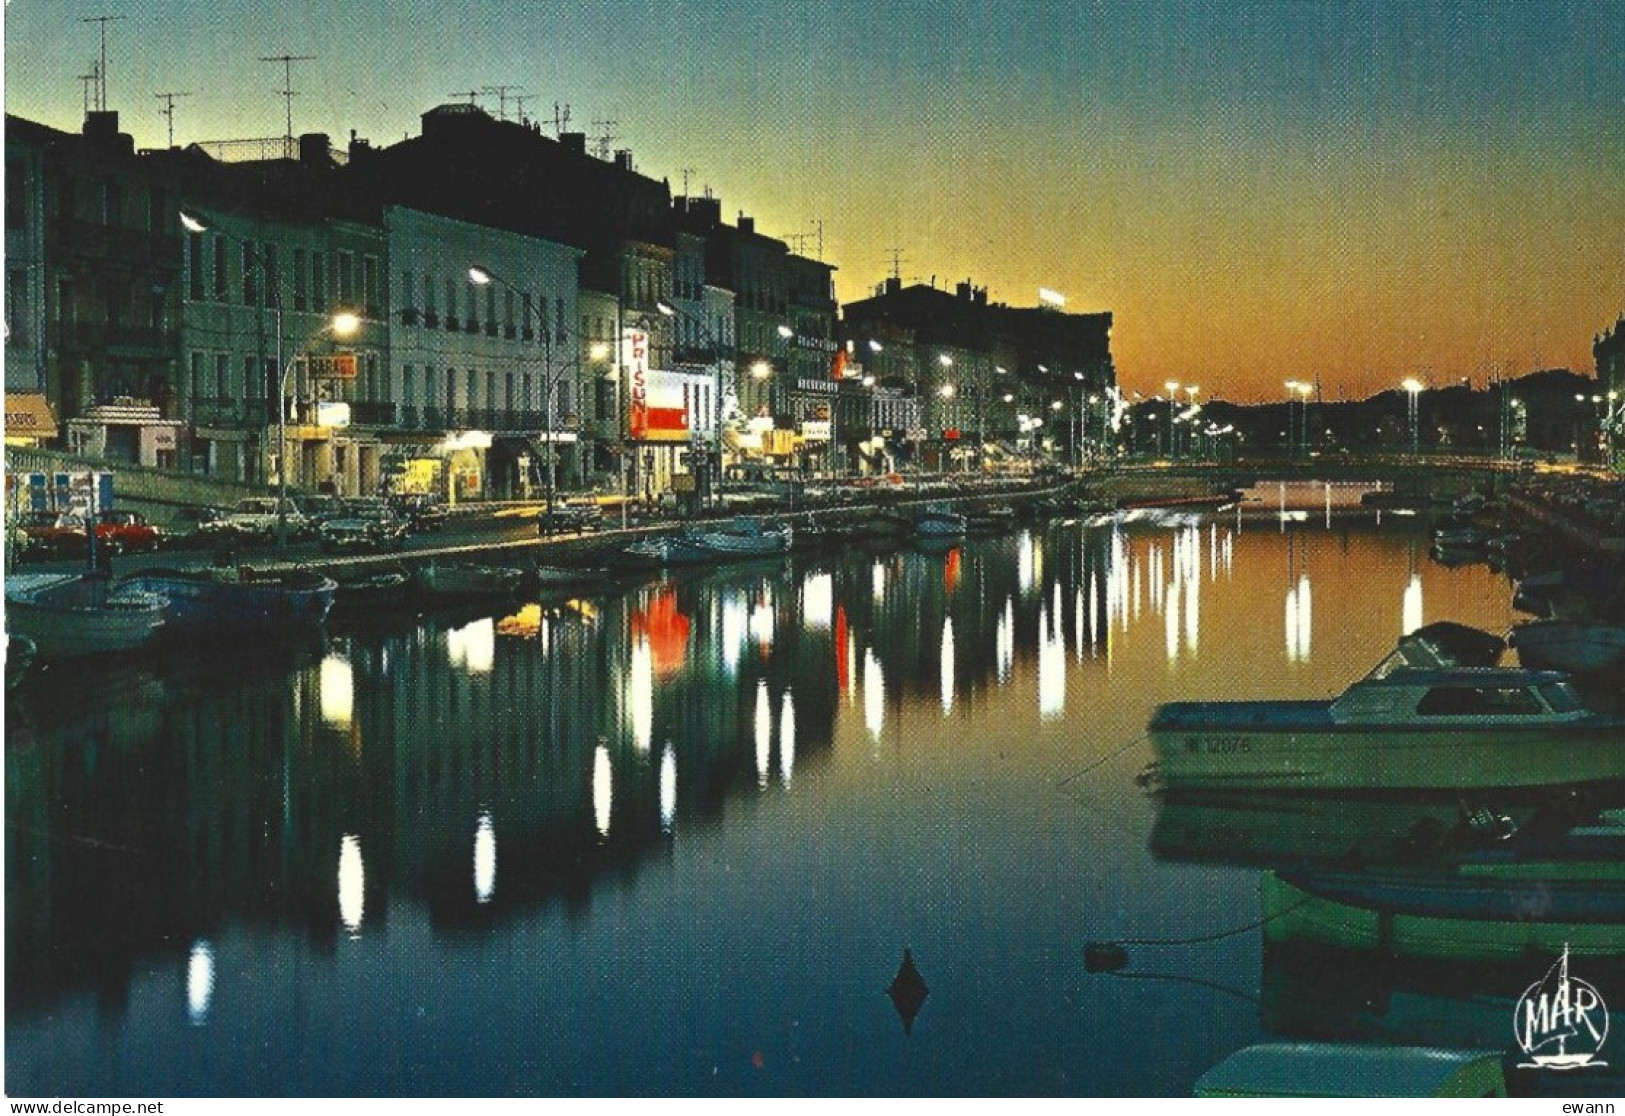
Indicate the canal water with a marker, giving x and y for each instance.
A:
(677, 838)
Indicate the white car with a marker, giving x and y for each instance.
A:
(256, 518)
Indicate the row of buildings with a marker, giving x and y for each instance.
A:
(517, 312)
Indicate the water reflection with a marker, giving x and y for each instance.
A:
(366, 785)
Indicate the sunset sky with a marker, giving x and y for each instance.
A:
(1258, 191)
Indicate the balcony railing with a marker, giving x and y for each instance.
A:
(103, 335)
(374, 413)
(128, 247)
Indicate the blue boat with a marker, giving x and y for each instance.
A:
(237, 600)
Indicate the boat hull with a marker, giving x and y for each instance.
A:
(1569, 645)
(62, 619)
(1361, 757)
(1457, 918)
(202, 605)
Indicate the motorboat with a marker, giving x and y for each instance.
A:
(69, 614)
(369, 592)
(1536, 892)
(1326, 1069)
(1400, 727)
(742, 538)
(1442, 645)
(467, 582)
(237, 600)
(1568, 645)
(938, 521)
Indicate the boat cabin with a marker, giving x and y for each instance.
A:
(1314, 1069)
(1476, 697)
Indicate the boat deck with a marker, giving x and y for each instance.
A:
(1221, 715)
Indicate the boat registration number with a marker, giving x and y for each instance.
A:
(1216, 745)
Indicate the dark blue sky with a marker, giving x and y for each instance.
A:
(1259, 191)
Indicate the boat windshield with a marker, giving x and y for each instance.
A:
(1562, 697)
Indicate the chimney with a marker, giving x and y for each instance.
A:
(314, 148)
(574, 141)
(962, 291)
(747, 224)
(623, 160)
(894, 284)
(101, 129)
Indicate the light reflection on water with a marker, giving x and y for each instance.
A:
(738, 795)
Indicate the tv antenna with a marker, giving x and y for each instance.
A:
(604, 137)
(561, 119)
(896, 263)
(168, 111)
(287, 92)
(101, 71)
(88, 84)
(519, 100)
(501, 92)
(471, 94)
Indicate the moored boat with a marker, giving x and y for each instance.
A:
(1569, 645)
(467, 582)
(939, 521)
(371, 592)
(1397, 728)
(224, 600)
(742, 538)
(66, 614)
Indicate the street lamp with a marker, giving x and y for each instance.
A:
(1173, 388)
(343, 324)
(1413, 388)
(481, 276)
(670, 311)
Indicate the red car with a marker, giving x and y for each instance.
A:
(63, 536)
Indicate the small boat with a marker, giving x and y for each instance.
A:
(1535, 892)
(742, 538)
(1397, 728)
(467, 582)
(991, 520)
(940, 522)
(1460, 536)
(1568, 645)
(69, 614)
(884, 526)
(372, 592)
(572, 577)
(223, 600)
(1327, 1069)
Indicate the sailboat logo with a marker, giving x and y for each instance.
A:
(1560, 1021)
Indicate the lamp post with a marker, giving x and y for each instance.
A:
(670, 311)
(342, 324)
(1413, 411)
(1173, 389)
(480, 276)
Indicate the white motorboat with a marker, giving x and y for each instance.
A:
(71, 614)
(1400, 727)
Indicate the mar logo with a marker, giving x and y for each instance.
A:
(1560, 1021)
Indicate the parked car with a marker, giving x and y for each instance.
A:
(364, 526)
(255, 519)
(422, 513)
(127, 532)
(199, 527)
(569, 518)
(52, 535)
(318, 509)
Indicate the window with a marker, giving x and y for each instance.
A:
(194, 380)
(508, 393)
(451, 305)
(301, 298)
(491, 390)
(222, 282)
(346, 278)
(17, 306)
(473, 389)
(1478, 701)
(558, 316)
(491, 310)
(222, 377)
(112, 202)
(16, 195)
(369, 285)
(507, 313)
(273, 281)
(251, 287)
(194, 266)
(157, 210)
(408, 386)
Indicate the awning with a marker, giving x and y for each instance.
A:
(29, 417)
